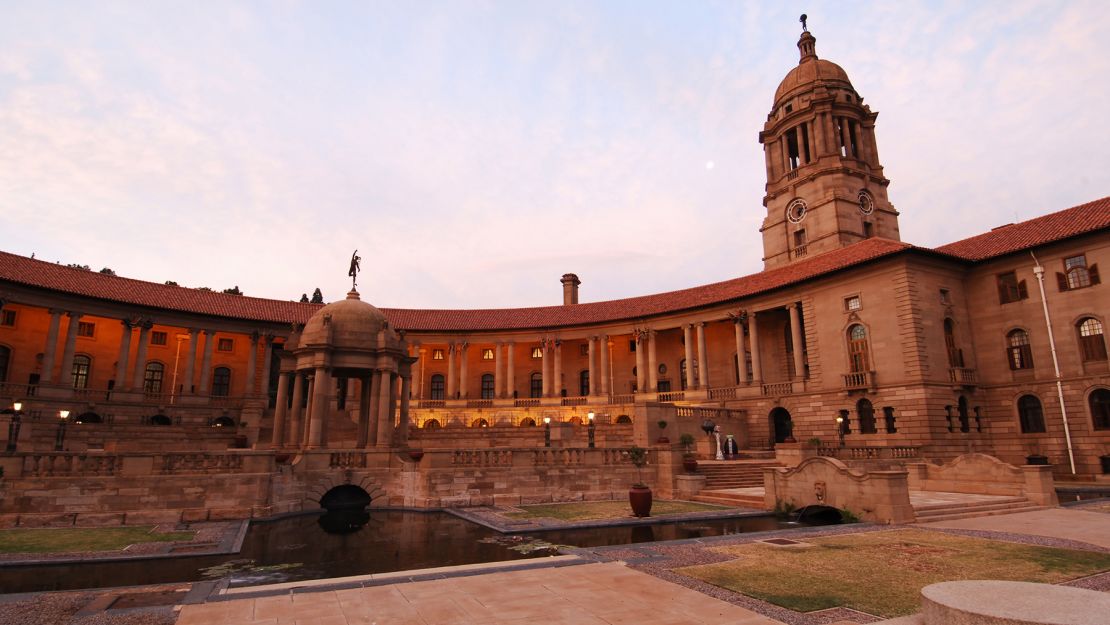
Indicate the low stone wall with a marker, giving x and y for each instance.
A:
(985, 475)
(877, 496)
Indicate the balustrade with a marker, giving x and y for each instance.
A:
(870, 452)
(859, 379)
(180, 464)
(672, 396)
(778, 389)
(963, 375)
(574, 401)
(65, 464)
(526, 403)
(728, 392)
(627, 398)
(347, 460)
(482, 458)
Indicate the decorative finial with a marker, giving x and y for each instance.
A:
(803, 19)
(355, 268)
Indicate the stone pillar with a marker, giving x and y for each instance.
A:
(124, 355)
(753, 336)
(307, 421)
(252, 363)
(295, 425)
(419, 351)
(267, 361)
(545, 377)
(406, 390)
(319, 406)
(374, 413)
(653, 366)
(845, 137)
(281, 409)
(140, 355)
(510, 375)
(703, 358)
(464, 379)
(800, 137)
(641, 377)
(688, 340)
(591, 360)
(394, 400)
(768, 161)
(557, 375)
(206, 365)
(70, 349)
(51, 349)
(452, 379)
(796, 341)
(498, 379)
(385, 399)
(189, 373)
(605, 347)
(818, 136)
(365, 399)
(741, 355)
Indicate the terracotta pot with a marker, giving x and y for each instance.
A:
(639, 497)
(690, 463)
(416, 454)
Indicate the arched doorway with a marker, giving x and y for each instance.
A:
(782, 427)
(346, 509)
(88, 417)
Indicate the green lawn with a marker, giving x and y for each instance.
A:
(61, 540)
(882, 573)
(595, 510)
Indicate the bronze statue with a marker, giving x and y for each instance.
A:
(802, 19)
(355, 268)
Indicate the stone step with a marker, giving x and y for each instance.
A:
(724, 499)
(945, 506)
(978, 513)
(1001, 505)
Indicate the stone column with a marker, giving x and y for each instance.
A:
(799, 136)
(263, 387)
(785, 148)
(394, 400)
(605, 347)
(591, 360)
(406, 390)
(845, 137)
(140, 355)
(796, 341)
(418, 372)
(295, 425)
(70, 349)
(319, 406)
(451, 378)
(51, 349)
(510, 377)
(741, 355)
(385, 400)
(653, 367)
(703, 358)
(818, 135)
(557, 374)
(307, 421)
(641, 373)
(374, 412)
(768, 161)
(545, 345)
(365, 399)
(252, 363)
(206, 365)
(124, 355)
(688, 339)
(189, 373)
(498, 380)
(753, 336)
(464, 380)
(281, 409)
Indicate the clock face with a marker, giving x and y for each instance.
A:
(866, 204)
(796, 211)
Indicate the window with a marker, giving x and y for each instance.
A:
(584, 383)
(536, 387)
(1020, 354)
(7, 318)
(1031, 415)
(1077, 274)
(965, 420)
(800, 237)
(80, 372)
(153, 376)
(1091, 344)
(5, 358)
(1010, 289)
(866, 415)
(1099, 402)
(682, 373)
(632, 345)
(858, 359)
(888, 418)
(86, 328)
(945, 296)
(437, 354)
(436, 390)
(955, 354)
(157, 338)
(537, 353)
(868, 229)
(852, 303)
(221, 382)
(225, 345)
(487, 353)
(487, 385)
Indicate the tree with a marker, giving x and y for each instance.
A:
(107, 271)
(233, 290)
(304, 298)
(317, 296)
(171, 283)
(76, 266)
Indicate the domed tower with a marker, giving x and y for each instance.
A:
(825, 186)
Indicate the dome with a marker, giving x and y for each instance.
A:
(348, 323)
(811, 71)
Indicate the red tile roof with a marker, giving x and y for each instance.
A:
(1025, 235)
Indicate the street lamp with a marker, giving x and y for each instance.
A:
(547, 431)
(590, 428)
(840, 428)
(61, 437)
(14, 425)
(176, 357)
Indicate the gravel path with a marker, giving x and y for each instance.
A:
(61, 608)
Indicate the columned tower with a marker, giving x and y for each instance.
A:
(825, 186)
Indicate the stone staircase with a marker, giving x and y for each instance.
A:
(734, 482)
(967, 510)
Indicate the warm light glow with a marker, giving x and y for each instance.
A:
(547, 420)
(590, 416)
(840, 419)
(17, 406)
(64, 414)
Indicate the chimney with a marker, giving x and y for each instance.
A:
(570, 288)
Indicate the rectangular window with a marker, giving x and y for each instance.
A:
(437, 354)
(852, 303)
(225, 345)
(799, 237)
(632, 345)
(7, 318)
(537, 353)
(487, 353)
(868, 229)
(157, 338)
(1010, 289)
(86, 328)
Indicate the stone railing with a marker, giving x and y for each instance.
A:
(709, 413)
(859, 379)
(567, 457)
(727, 392)
(203, 463)
(894, 452)
(627, 398)
(430, 403)
(778, 389)
(963, 375)
(482, 458)
(479, 403)
(672, 396)
(526, 403)
(67, 464)
(347, 460)
(17, 391)
(575, 401)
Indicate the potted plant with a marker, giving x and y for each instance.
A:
(689, 458)
(814, 442)
(416, 454)
(790, 432)
(639, 495)
(662, 437)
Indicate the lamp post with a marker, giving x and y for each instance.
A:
(14, 425)
(176, 357)
(60, 439)
(590, 428)
(840, 428)
(547, 431)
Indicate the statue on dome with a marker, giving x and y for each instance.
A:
(355, 268)
(803, 19)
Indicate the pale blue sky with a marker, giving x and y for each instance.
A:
(475, 151)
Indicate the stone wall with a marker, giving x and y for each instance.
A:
(878, 496)
(985, 475)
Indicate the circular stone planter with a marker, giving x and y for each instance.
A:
(690, 464)
(639, 497)
(990, 602)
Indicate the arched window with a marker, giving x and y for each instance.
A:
(1030, 414)
(536, 389)
(858, 358)
(479, 423)
(955, 354)
(81, 366)
(431, 424)
(436, 391)
(1092, 346)
(866, 415)
(1099, 402)
(1020, 354)
(221, 382)
(487, 386)
(5, 358)
(153, 376)
(584, 383)
(528, 422)
(624, 419)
